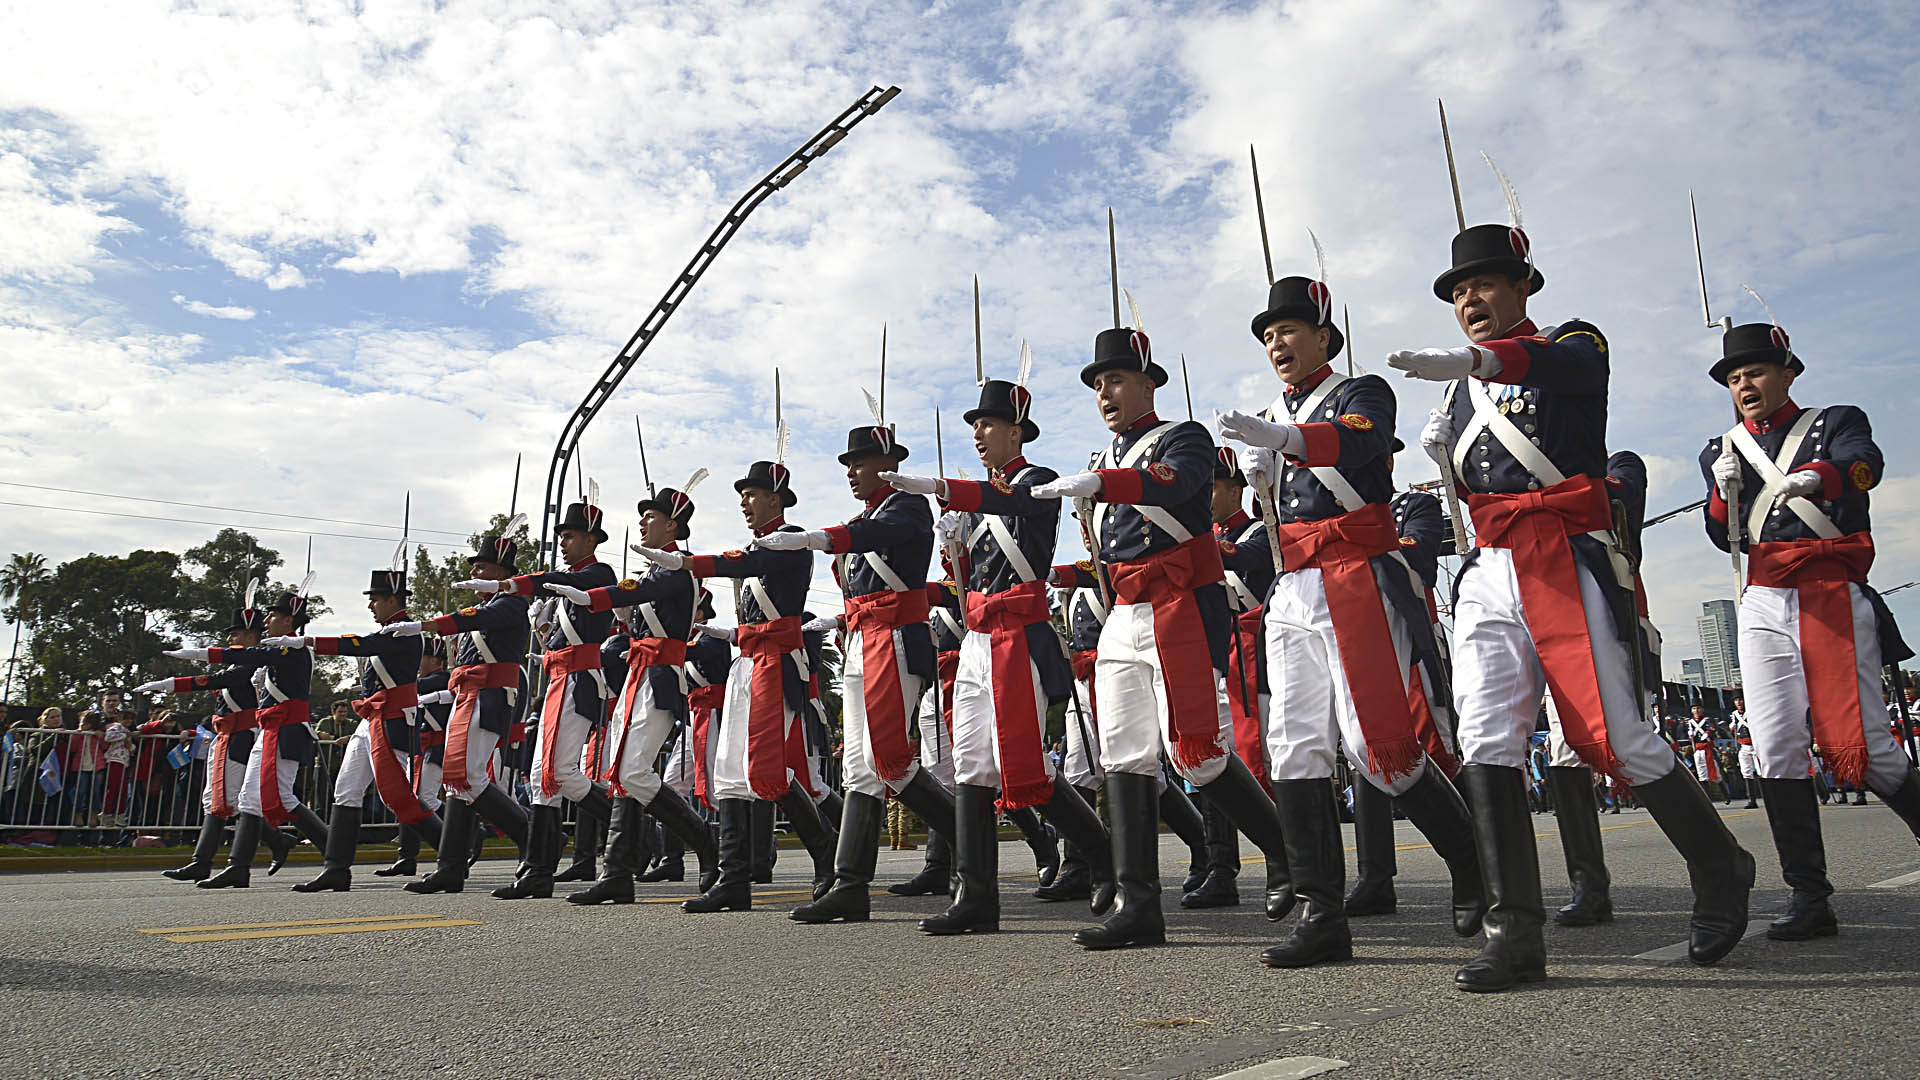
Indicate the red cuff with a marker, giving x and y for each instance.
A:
(185, 685)
(962, 495)
(444, 625)
(703, 566)
(326, 646)
(1514, 359)
(214, 654)
(1716, 506)
(1830, 480)
(522, 585)
(599, 599)
(1120, 485)
(1323, 445)
(839, 539)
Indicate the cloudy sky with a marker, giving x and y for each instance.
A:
(301, 259)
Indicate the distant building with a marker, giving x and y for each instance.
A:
(1719, 625)
(1693, 672)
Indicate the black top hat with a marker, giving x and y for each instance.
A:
(705, 606)
(1006, 401)
(292, 604)
(1483, 249)
(433, 647)
(498, 550)
(872, 441)
(1754, 343)
(247, 619)
(772, 476)
(1121, 349)
(388, 583)
(672, 503)
(584, 518)
(1226, 466)
(1305, 299)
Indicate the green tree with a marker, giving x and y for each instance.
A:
(23, 572)
(101, 622)
(432, 581)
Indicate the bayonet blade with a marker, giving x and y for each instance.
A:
(1453, 175)
(1113, 267)
(1260, 208)
(979, 365)
(513, 503)
(1186, 385)
(646, 476)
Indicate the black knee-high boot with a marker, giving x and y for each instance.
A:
(820, 840)
(976, 843)
(246, 840)
(201, 868)
(1375, 862)
(763, 846)
(1516, 945)
(1317, 865)
(628, 839)
(343, 836)
(1720, 869)
(1072, 815)
(1437, 810)
(451, 873)
(534, 879)
(1578, 813)
(853, 864)
(733, 887)
(1136, 918)
(1240, 798)
(682, 828)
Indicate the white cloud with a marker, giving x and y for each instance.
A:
(201, 307)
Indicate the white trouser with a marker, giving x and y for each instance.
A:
(1313, 708)
(481, 745)
(1082, 763)
(1703, 765)
(570, 729)
(858, 770)
(1749, 762)
(976, 743)
(936, 745)
(1498, 679)
(1776, 687)
(350, 784)
(236, 774)
(1135, 725)
(1558, 752)
(728, 777)
(426, 786)
(647, 727)
(285, 771)
(679, 774)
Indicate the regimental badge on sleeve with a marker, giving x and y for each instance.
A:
(1085, 564)
(469, 611)
(733, 555)
(1000, 484)
(1228, 549)
(1408, 541)
(630, 584)
(1161, 472)
(1862, 475)
(1354, 422)
(202, 681)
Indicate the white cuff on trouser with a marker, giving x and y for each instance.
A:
(858, 769)
(1775, 685)
(976, 743)
(1313, 709)
(1134, 722)
(1498, 681)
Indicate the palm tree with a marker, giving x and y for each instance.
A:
(22, 572)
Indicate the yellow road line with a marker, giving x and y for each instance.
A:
(311, 931)
(778, 895)
(299, 922)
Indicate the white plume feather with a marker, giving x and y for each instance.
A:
(1133, 309)
(1762, 303)
(873, 406)
(780, 435)
(1514, 217)
(593, 492)
(253, 586)
(1026, 363)
(306, 583)
(400, 557)
(513, 525)
(1319, 257)
(693, 481)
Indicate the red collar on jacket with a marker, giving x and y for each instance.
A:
(1780, 417)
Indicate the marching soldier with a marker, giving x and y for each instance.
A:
(576, 692)
(1011, 665)
(882, 557)
(661, 607)
(284, 743)
(1344, 625)
(1813, 635)
(1159, 676)
(765, 690)
(488, 689)
(383, 745)
(689, 768)
(233, 741)
(1749, 761)
(1524, 431)
(1700, 733)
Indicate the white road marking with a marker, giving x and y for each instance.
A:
(1896, 882)
(1666, 954)
(1290, 1068)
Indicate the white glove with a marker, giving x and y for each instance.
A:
(1726, 472)
(157, 686)
(294, 641)
(437, 697)
(915, 485)
(951, 528)
(186, 654)
(724, 633)
(1805, 484)
(1258, 463)
(1437, 437)
(405, 629)
(1445, 365)
(578, 596)
(794, 541)
(482, 585)
(824, 622)
(543, 612)
(1083, 485)
(672, 560)
(1259, 431)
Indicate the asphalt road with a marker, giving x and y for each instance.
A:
(544, 989)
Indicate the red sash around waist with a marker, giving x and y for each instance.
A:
(1167, 580)
(1820, 571)
(767, 644)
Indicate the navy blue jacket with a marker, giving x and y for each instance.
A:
(898, 529)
